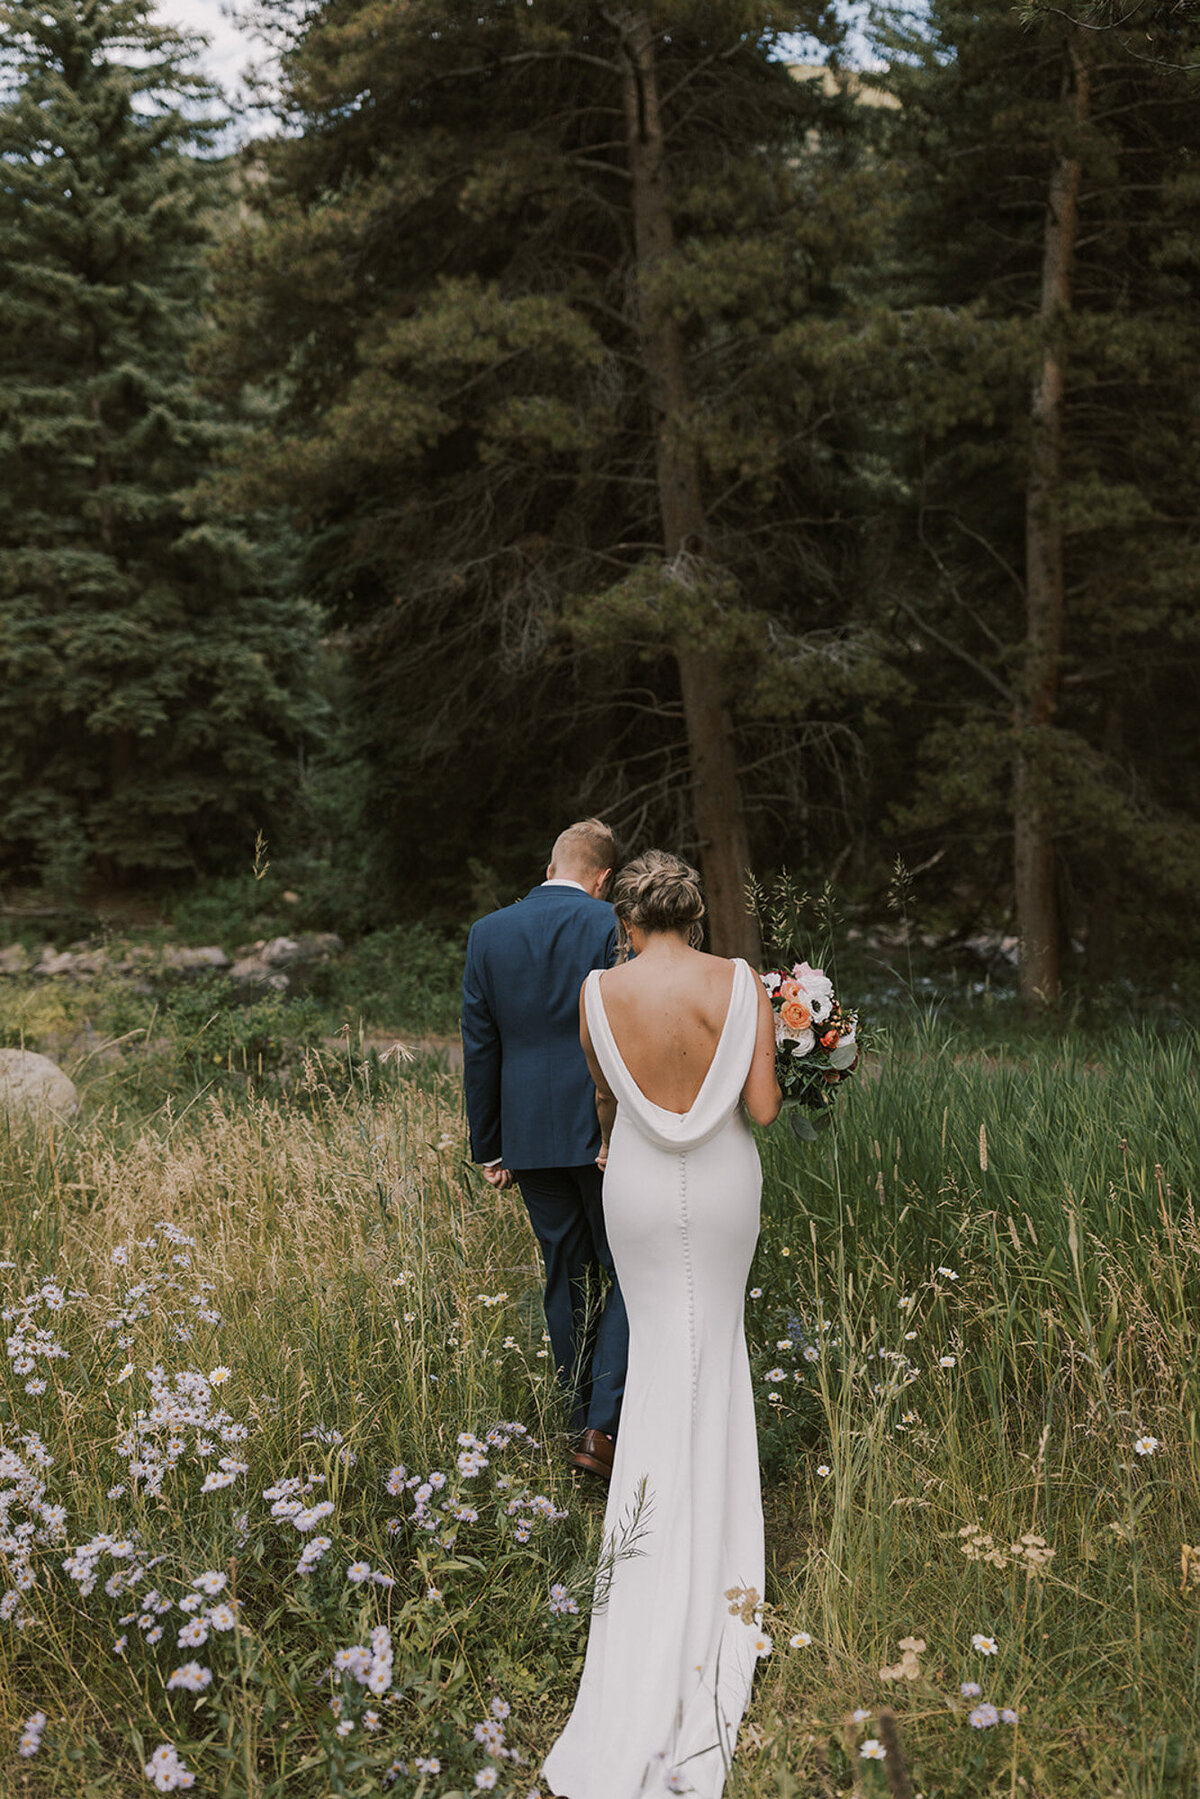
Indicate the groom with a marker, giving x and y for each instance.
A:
(531, 1107)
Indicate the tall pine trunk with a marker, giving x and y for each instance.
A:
(1036, 874)
(719, 807)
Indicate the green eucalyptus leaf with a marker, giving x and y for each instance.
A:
(802, 1125)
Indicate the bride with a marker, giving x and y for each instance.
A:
(675, 1040)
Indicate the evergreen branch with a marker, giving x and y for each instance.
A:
(708, 62)
(594, 303)
(661, 782)
(952, 585)
(603, 168)
(1000, 561)
(606, 143)
(811, 428)
(956, 649)
(785, 524)
(521, 57)
(1155, 62)
(1085, 25)
(807, 734)
(623, 703)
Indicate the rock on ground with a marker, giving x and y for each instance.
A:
(263, 963)
(186, 960)
(34, 1084)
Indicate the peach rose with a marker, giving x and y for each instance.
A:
(829, 1040)
(789, 990)
(795, 1015)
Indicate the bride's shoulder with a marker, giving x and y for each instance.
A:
(712, 979)
(716, 968)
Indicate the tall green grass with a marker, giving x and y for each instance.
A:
(1035, 1214)
(1031, 1218)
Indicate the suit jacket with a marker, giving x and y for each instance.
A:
(530, 1098)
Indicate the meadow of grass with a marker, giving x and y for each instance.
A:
(973, 1324)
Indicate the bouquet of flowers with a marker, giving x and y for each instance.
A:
(817, 1043)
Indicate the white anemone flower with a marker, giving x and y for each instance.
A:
(816, 990)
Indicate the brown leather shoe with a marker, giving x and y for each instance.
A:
(595, 1453)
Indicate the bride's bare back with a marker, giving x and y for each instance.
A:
(667, 1014)
(666, 1010)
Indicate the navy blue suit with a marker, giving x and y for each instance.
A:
(531, 1104)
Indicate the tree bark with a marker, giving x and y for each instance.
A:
(716, 785)
(1035, 858)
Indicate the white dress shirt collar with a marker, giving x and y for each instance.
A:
(561, 881)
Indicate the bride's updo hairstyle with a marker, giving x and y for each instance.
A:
(658, 892)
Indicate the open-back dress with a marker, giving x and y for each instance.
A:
(669, 1667)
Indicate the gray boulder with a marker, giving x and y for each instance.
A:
(255, 971)
(308, 948)
(53, 963)
(257, 974)
(14, 959)
(263, 963)
(71, 964)
(281, 952)
(34, 1085)
(192, 961)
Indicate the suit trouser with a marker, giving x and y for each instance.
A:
(589, 1341)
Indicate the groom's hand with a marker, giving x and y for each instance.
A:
(500, 1178)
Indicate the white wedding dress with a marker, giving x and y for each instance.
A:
(669, 1669)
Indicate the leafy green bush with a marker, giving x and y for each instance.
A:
(236, 910)
(211, 1033)
(409, 977)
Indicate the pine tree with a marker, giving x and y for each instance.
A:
(153, 681)
(539, 290)
(1051, 242)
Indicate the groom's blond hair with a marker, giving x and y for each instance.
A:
(586, 847)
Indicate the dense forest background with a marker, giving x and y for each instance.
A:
(569, 408)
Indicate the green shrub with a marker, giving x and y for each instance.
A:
(408, 977)
(211, 1033)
